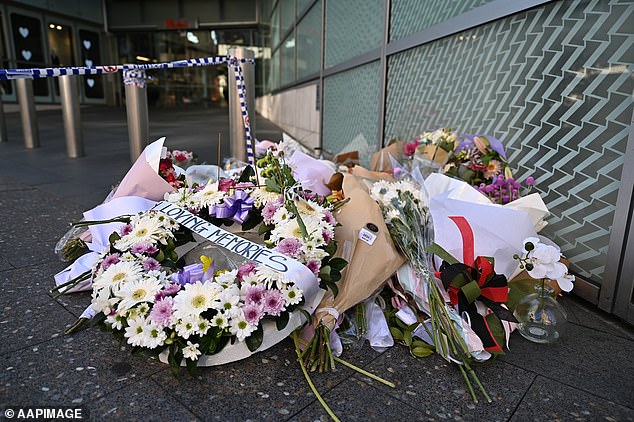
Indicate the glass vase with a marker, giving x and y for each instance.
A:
(541, 318)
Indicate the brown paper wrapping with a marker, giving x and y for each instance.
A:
(380, 160)
(433, 152)
(368, 265)
(375, 176)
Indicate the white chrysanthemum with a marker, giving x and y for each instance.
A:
(187, 326)
(392, 215)
(227, 278)
(118, 274)
(115, 321)
(241, 328)
(263, 197)
(143, 332)
(202, 327)
(102, 302)
(209, 195)
(229, 300)
(191, 351)
(220, 320)
(182, 197)
(309, 208)
(143, 309)
(281, 216)
(292, 295)
(195, 298)
(266, 276)
(286, 229)
(137, 291)
(144, 229)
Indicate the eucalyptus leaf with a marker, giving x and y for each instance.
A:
(422, 352)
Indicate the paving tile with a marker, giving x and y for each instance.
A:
(267, 386)
(582, 313)
(73, 369)
(437, 389)
(28, 316)
(551, 400)
(8, 184)
(590, 360)
(142, 401)
(354, 400)
(5, 264)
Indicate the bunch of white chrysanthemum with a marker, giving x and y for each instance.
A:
(207, 196)
(146, 227)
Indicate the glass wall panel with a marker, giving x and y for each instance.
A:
(274, 77)
(556, 87)
(287, 15)
(409, 16)
(287, 60)
(275, 27)
(353, 27)
(301, 5)
(309, 42)
(351, 107)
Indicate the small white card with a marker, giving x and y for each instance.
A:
(367, 236)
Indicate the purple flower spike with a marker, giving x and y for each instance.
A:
(530, 181)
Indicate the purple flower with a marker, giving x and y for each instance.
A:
(273, 302)
(327, 235)
(141, 247)
(290, 247)
(110, 259)
(162, 311)
(489, 188)
(151, 264)
(530, 181)
(253, 313)
(125, 230)
(254, 295)
(245, 269)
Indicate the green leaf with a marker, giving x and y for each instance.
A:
(282, 321)
(441, 253)
(422, 351)
(396, 333)
(308, 316)
(324, 273)
(160, 256)
(254, 219)
(335, 275)
(496, 328)
(114, 236)
(333, 286)
(264, 228)
(255, 339)
(407, 337)
(192, 367)
(338, 263)
(331, 248)
(246, 175)
(273, 186)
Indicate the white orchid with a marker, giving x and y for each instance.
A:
(543, 261)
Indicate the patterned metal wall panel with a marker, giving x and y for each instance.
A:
(353, 27)
(309, 42)
(555, 85)
(351, 107)
(409, 16)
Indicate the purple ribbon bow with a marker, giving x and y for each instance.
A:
(192, 273)
(235, 207)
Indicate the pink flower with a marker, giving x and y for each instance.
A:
(254, 295)
(141, 247)
(151, 264)
(162, 311)
(225, 185)
(269, 211)
(252, 313)
(109, 260)
(290, 247)
(410, 148)
(125, 230)
(245, 269)
(314, 266)
(169, 290)
(327, 235)
(329, 218)
(273, 302)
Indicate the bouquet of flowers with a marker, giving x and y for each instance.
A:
(408, 219)
(477, 159)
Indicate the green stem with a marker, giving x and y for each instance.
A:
(121, 219)
(310, 382)
(71, 283)
(364, 372)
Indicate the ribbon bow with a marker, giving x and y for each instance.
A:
(475, 279)
(235, 207)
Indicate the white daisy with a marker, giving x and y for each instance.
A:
(187, 326)
(285, 229)
(220, 320)
(115, 321)
(191, 351)
(263, 197)
(229, 299)
(195, 298)
(292, 295)
(227, 278)
(153, 335)
(241, 328)
(309, 208)
(202, 327)
(209, 196)
(137, 291)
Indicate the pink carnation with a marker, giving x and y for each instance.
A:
(329, 218)
(125, 230)
(109, 260)
(410, 148)
(151, 264)
(168, 290)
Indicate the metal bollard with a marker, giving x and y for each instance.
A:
(3, 123)
(27, 111)
(69, 94)
(237, 136)
(138, 126)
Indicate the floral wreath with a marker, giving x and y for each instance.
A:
(144, 292)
